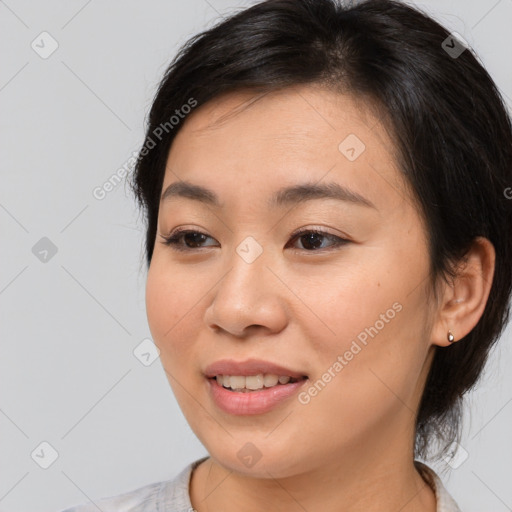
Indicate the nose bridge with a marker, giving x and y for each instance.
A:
(247, 294)
(248, 276)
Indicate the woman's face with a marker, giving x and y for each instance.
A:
(346, 308)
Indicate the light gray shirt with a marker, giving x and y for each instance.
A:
(173, 495)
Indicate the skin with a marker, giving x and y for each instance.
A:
(301, 307)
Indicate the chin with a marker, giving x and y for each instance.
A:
(259, 459)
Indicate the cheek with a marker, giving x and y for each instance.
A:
(367, 374)
(173, 312)
(374, 331)
(347, 300)
(172, 306)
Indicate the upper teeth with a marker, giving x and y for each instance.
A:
(252, 382)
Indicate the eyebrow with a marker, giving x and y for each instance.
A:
(283, 197)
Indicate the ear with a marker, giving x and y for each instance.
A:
(464, 300)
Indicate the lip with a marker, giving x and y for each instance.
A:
(253, 402)
(249, 367)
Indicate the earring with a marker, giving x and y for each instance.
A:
(451, 337)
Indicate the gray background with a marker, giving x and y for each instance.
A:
(69, 325)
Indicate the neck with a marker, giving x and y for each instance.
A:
(367, 477)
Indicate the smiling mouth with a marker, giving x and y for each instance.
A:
(251, 383)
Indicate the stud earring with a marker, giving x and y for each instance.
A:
(451, 337)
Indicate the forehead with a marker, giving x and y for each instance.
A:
(285, 117)
(295, 135)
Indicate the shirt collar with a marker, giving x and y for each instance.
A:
(445, 503)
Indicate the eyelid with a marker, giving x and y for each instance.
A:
(319, 229)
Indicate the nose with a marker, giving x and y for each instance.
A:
(248, 298)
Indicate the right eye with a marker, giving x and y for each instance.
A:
(190, 236)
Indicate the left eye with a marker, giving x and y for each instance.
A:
(311, 239)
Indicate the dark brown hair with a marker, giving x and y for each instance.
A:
(452, 131)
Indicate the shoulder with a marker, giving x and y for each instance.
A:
(170, 494)
(445, 503)
(135, 500)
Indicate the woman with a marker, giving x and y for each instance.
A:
(328, 254)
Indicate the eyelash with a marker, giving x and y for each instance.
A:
(174, 238)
